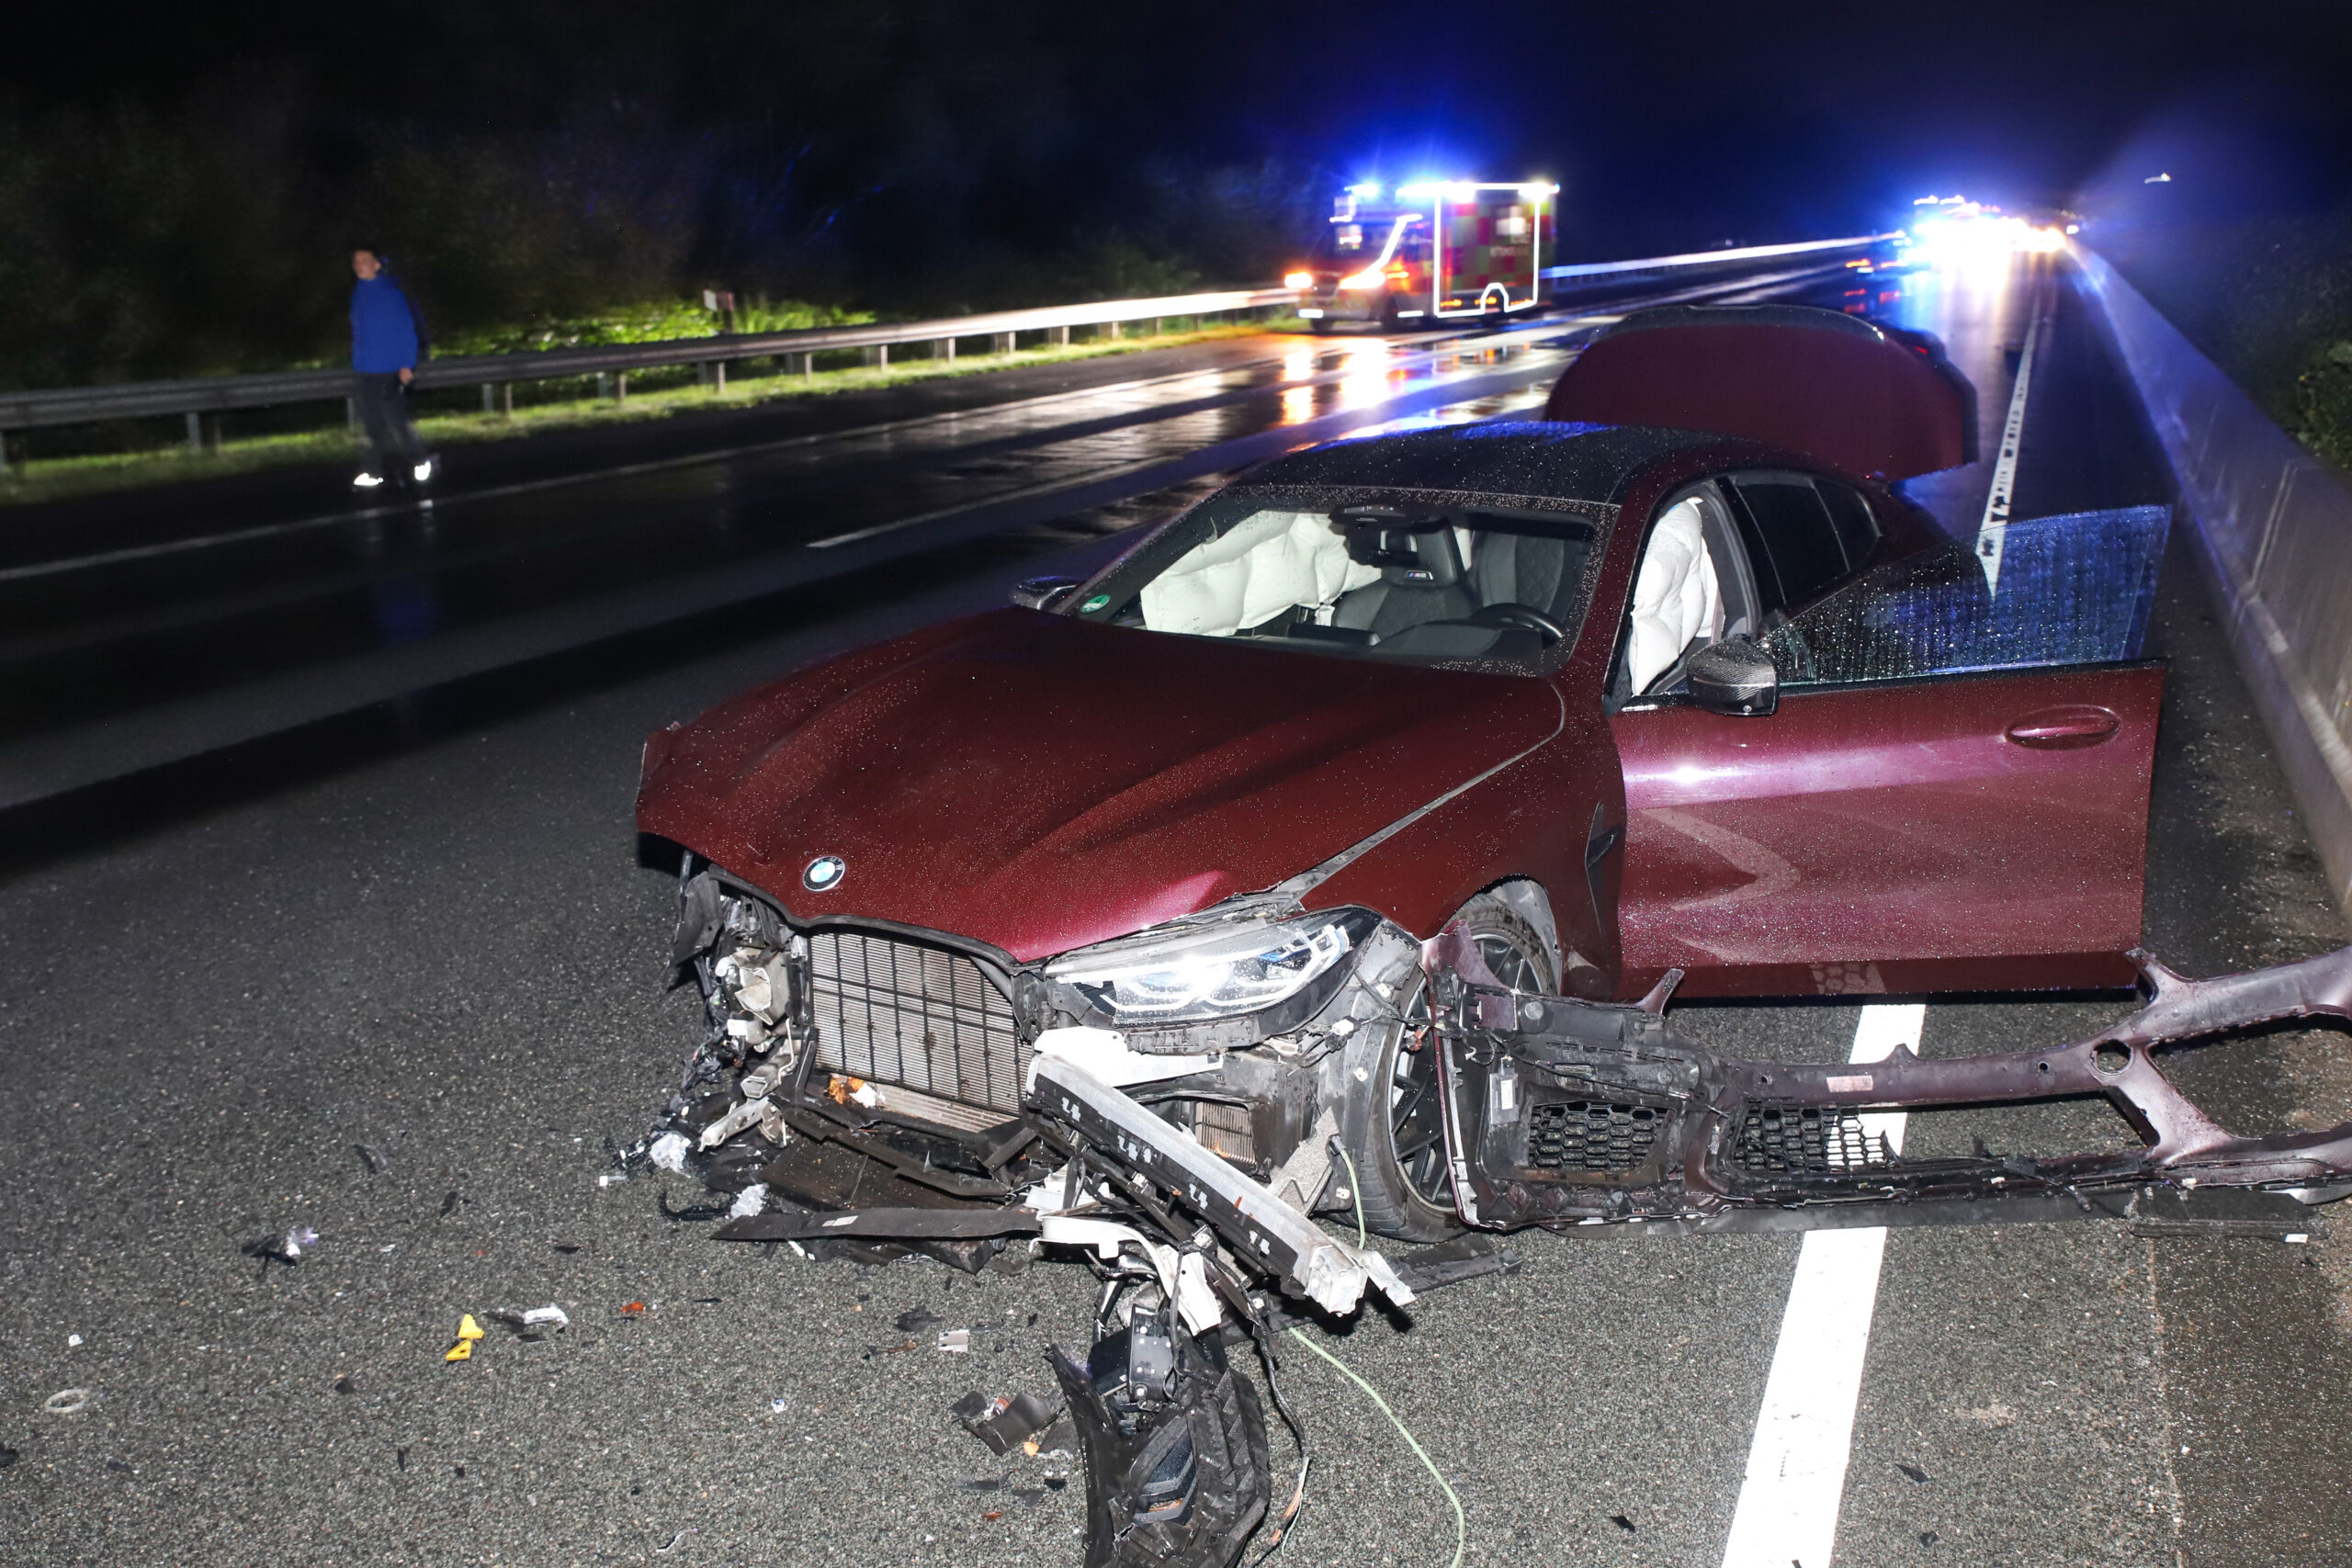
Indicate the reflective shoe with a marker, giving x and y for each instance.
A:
(366, 481)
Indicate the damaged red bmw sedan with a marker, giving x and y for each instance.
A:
(1692, 689)
(1309, 858)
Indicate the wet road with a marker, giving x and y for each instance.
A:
(421, 928)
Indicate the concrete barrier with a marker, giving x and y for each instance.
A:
(2272, 525)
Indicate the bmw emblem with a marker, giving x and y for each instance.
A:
(825, 874)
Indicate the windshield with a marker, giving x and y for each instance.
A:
(1427, 578)
(1362, 244)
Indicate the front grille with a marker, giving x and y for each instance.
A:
(1590, 1134)
(1779, 1139)
(897, 1012)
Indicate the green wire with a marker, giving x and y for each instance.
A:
(1461, 1527)
(1355, 1188)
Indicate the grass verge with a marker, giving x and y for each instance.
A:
(56, 478)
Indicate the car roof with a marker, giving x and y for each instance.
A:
(1504, 457)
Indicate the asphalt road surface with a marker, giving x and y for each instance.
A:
(421, 927)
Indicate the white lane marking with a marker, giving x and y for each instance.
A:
(1993, 529)
(1796, 1463)
(975, 416)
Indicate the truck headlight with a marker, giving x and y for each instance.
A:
(1214, 971)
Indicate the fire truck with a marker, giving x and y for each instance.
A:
(1440, 250)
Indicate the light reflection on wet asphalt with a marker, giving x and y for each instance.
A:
(205, 611)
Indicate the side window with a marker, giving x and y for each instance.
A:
(2076, 588)
(1856, 529)
(1803, 555)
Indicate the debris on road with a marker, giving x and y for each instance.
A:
(1913, 1471)
(375, 1159)
(1007, 1421)
(955, 1341)
(535, 1324)
(68, 1402)
(286, 1249)
(675, 1540)
(633, 1309)
(71, 1340)
(343, 1385)
(8, 1456)
(468, 1332)
(668, 1152)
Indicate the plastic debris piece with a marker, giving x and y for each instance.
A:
(375, 1159)
(632, 1309)
(842, 1089)
(1007, 1423)
(449, 1204)
(955, 1341)
(1621, 1522)
(1913, 1471)
(993, 1514)
(916, 1321)
(675, 1540)
(778, 1406)
(611, 1178)
(67, 1402)
(468, 1332)
(749, 1201)
(286, 1249)
(535, 1324)
(981, 1482)
(343, 1384)
(71, 1340)
(668, 1152)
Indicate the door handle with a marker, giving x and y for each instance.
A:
(2061, 729)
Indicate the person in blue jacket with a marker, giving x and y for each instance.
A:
(385, 345)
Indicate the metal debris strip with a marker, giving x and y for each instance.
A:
(1800, 1156)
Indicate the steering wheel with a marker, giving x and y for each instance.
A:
(1525, 616)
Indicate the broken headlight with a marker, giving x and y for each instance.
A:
(1204, 972)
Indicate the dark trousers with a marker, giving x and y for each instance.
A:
(384, 427)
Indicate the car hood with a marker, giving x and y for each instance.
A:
(1038, 783)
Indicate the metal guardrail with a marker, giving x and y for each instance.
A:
(212, 394)
(196, 396)
(1702, 258)
(2273, 529)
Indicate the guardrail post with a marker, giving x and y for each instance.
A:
(1058, 334)
(489, 398)
(195, 433)
(718, 375)
(620, 388)
(604, 385)
(807, 366)
(1000, 343)
(3, 451)
(1157, 325)
(506, 398)
(351, 416)
(944, 349)
(1109, 331)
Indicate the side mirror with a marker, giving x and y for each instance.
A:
(1736, 676)
(1043, 592)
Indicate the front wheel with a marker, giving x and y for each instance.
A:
(1392, 1123)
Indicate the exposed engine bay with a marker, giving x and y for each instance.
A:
(1186, 1166)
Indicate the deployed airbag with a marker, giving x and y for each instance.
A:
(1270, 562)
(1677, 599)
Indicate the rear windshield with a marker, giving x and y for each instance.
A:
(1428, 580)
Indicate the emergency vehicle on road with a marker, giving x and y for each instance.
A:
(1439, 250)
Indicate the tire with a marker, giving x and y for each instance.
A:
(1391, 1104)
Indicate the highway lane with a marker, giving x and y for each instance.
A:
(446, 952)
